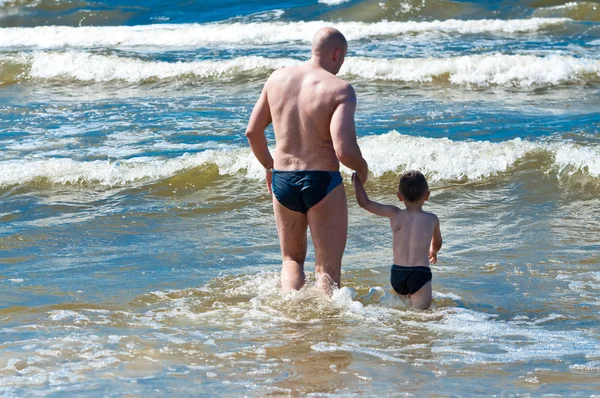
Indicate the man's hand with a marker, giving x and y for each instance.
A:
(363, 175)
(269, 178)
(361, 195)
(432, 257)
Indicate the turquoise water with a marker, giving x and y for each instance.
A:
(138, 253)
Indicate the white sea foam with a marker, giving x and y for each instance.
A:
(481, 70)
(439, 158)
(572, 159)
(110, 173)
(194, 327)
(481, 332)
(333, 2)
(571, 4)
(87, 67)
(442, 159)
(194, 35)
(465, 336)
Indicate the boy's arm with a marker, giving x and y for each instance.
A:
(436, 242)
(363, 200)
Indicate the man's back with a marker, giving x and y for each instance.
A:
(302, 101)
(312, 112)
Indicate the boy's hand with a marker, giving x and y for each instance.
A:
(361, 176)
(359, 190)
(432, 257)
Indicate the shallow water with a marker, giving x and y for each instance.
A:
(138, 253)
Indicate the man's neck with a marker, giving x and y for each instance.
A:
(318, 62)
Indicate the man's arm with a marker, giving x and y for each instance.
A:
(343, 134)
(255, 133)
(371, 206)
(436, 242)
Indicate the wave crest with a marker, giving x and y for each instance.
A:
(479, 70)
(260, 33)
(440, 159)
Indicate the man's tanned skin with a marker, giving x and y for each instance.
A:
(312, 112)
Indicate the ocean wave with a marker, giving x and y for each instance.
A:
(333, 2)
(97, 68)
(479, 70)
(444, 159)
(197, 35)
(439, 159)
(576, 10)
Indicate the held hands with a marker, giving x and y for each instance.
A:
(362, 175)
(361, 195)
(356, 180)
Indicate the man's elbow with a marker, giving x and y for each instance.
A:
(344, 156)
(251, 134)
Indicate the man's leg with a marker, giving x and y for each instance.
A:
(291, 228)
(422, 298)
(328, 221)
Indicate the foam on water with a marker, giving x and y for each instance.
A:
(439, 158)
(576, 10)
(87, 67)
(479, 70)
(570, 159)
(445, 159)
(333, 2)
(118, 173)
(244, 325)
(196, 35)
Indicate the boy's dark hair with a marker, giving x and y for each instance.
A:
(413, 186)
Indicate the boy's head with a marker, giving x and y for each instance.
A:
(413, 187)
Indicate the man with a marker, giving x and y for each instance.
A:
(312, 112)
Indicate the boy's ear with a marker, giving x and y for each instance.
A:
(400, 197)
(427, 195)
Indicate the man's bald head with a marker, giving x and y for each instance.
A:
(329, 48)
(327, 41)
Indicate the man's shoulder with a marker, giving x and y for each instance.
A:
(339, 83)
(342, 89)
(280, 74)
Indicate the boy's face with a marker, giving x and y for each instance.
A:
(424, 199)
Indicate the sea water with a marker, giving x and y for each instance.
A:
(138, 252)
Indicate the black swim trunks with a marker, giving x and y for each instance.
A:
(301, 190)
(408, 280)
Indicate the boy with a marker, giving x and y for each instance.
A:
(416, 236)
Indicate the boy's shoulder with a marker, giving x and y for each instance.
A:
(432, 216)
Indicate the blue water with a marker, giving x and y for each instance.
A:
(138, 251)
